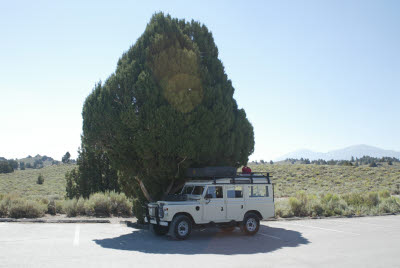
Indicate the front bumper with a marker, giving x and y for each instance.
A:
(154, 221)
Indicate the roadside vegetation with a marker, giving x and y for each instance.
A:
(99, 205)
(331, 179)
(371, 203)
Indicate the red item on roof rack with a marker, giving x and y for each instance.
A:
(246, 170)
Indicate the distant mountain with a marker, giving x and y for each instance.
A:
(342, 154)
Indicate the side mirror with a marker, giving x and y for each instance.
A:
(208, 196)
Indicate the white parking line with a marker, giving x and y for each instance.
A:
(367, 223)
(320, 228)
(76, 238)
(275, 237)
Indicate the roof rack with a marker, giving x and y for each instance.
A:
(239, 176)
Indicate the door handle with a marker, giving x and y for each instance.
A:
(241, 206)
(222, 208)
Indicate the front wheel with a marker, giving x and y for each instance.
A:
(180, 228)
(158, 230)
(251, 224)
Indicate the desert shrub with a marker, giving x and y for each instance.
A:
(59, 206)
(3, 209)
(333, 205)
(372, 199)
(384, 194)
(316, 208)
(80, 206)
(21, 208)
(70, 208)
(354, 199)
(51, 207)
(297, 207)
(120, 204)
(98, 205)
(40, 179)
(282, 209)
(389, 205)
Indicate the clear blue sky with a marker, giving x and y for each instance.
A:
(320, 75)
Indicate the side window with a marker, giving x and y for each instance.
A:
(215, 191)
(234, 191)
(258, 191)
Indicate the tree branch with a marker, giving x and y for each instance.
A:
(144, 190)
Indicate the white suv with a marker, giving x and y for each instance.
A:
(237, 201)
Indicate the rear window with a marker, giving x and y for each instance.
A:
(234, 191)
(258, 191)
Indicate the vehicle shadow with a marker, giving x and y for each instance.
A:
(209, 241)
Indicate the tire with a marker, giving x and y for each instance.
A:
(158, 230)
(251, 224)
(180, 228)
(228, 229)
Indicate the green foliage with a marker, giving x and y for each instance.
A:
(70, 208)
(120, 204)
(40, 179)
(94, 174)
(66, 158)
(21, 208)
(373, 164)
(138, 210)
(71, 188)
(299, 204)
(5, 167)
(98, 205)
(13, 163)
(168, 106)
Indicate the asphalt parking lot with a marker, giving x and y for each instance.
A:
(339, 242)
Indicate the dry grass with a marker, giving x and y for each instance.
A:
(24, 182)
(323, 179)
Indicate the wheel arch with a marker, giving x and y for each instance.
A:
(184, 214)
(255, 212)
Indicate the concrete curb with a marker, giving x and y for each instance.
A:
(54, 221)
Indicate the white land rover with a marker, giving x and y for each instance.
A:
(235, 201)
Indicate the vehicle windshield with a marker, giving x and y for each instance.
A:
(193, 189)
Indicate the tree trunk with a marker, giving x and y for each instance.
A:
(168, 189)
(144, 190)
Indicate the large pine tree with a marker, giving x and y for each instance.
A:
(168, 106)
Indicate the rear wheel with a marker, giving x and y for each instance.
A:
(251, 224)
(158, 230)
(180, 228)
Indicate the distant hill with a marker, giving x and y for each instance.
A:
(47, 161)
(342, 154)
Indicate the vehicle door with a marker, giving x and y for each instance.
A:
(214, 206)
(235, 205)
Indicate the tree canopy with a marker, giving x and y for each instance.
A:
(168, 106)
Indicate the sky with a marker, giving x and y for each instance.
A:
(320, 75)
